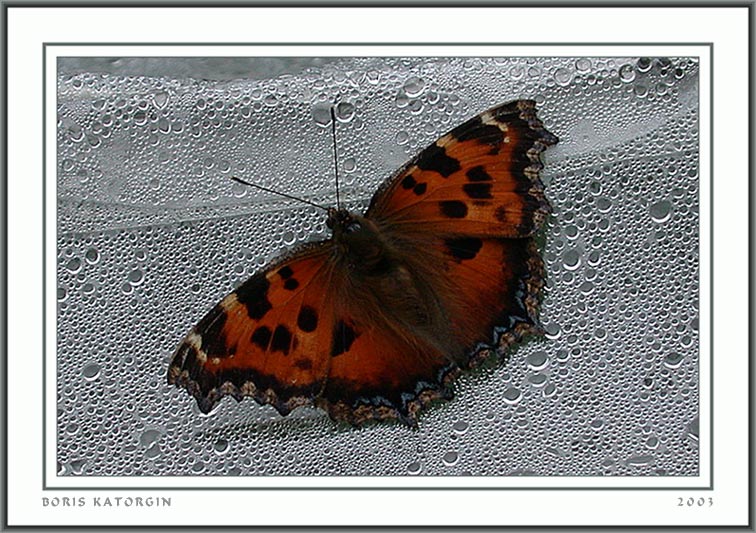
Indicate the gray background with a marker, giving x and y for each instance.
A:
(152, 233)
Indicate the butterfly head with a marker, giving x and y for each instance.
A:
(358, 241)
(342, 222)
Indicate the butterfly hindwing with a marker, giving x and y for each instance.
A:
(496, 290)
(375, 375)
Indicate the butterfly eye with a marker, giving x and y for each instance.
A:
(353, 227)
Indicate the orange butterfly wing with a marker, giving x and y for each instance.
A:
(269, 339)
(479, 179)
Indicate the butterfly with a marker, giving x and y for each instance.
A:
(377, 321)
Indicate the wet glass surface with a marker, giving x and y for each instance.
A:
(152, 232)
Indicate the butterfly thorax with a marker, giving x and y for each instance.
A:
(358, 242)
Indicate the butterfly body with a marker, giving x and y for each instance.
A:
(376, 321)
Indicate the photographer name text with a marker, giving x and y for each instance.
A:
(107, 501)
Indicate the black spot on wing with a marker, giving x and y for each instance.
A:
(285, 272)
(291, 284)
(408, 182)
(463, 248)
(477, 190)
(261, 337)
(253, 294)
(281, 340)
(343, 337)
(307, 319)
(453, 209)
(477, 173)
(434, 158)
(420, 189)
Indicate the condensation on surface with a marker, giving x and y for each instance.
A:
(152, 232)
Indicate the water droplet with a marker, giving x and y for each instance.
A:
(136, 277)
(586, 287)
(562, 76)
(583, 64)
(414, 86)
(74, 265)
(597, 424)
(571, 259)
(604, 205)
(92, 256)
(289, 238)
(414, 468)
(164, 126)
(450, 458)
(402, 137)
(91, 371)
(661, 211)
(460, 427)
(673, 360)
(512, 395)
(160, 99)
(221, 446)
(552, 331)
(401, 99)
(644, 64)
(652, 443)
(322, 115)
(152, 452)
(62, 294)
(75, 133)
(627, 73)
(344, 111)
(538, 379)
(149, 437)
(594, 258)
(640, 460)
(538, 360)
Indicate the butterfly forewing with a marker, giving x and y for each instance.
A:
(270, 339)
(479, 179)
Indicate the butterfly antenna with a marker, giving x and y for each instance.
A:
(279, 193)
(335, 157)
